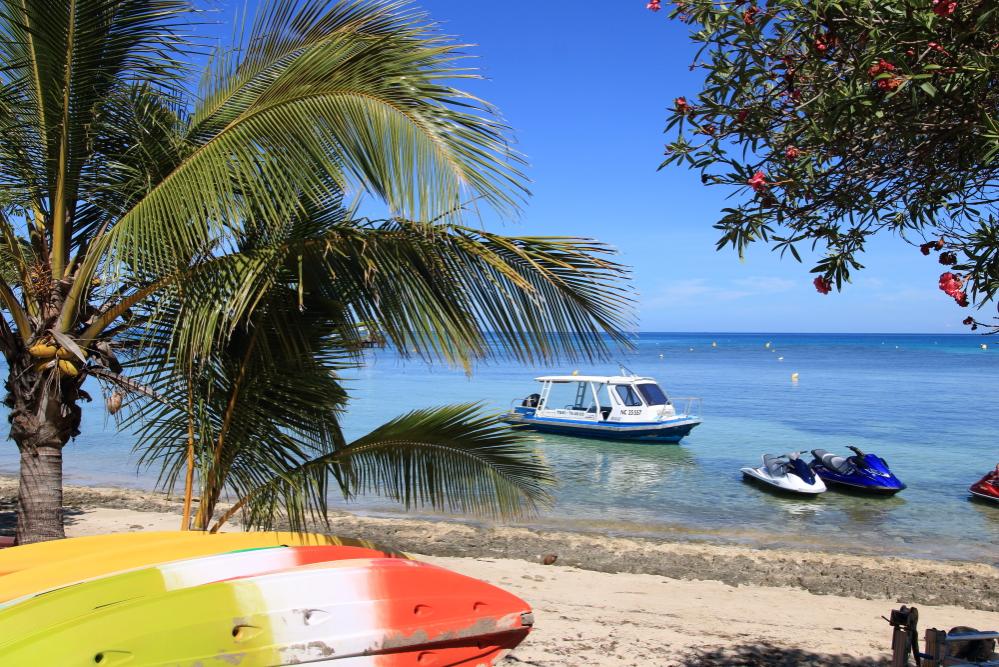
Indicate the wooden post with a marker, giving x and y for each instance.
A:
(936, 648)
(899, 647)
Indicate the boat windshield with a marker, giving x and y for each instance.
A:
(652, 394)
(628, 395)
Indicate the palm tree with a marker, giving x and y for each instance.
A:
(202, 238)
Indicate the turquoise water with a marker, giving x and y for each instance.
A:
(926, 403)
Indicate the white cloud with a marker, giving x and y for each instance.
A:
(769, 284)
(700, 290)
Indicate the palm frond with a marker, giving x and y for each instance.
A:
(452, 458)
(361, 101)
(64, 59)
(268, 398)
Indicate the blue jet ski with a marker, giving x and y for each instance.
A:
(861, 472)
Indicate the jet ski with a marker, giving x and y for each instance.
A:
(987, 487)
(861, 472)
(786, 473)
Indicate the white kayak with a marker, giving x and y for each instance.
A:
(786, 473)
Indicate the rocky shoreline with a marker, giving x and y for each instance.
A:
(908, 581)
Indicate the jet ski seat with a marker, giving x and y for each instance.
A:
(840, 464)
(775, 465)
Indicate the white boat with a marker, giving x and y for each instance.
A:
(615, 407)
(786, 473)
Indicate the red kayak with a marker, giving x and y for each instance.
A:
(987, 487)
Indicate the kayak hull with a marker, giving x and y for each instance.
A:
(27, 614)
(352, 613)
(35, 568)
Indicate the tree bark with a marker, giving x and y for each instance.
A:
(44, 416)
(39, 510)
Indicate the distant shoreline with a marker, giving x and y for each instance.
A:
(912, 581)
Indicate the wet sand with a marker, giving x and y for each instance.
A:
(616, 601)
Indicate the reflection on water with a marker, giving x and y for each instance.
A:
(639, 470)
(924, 403)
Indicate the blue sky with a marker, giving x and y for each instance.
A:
(585, 86)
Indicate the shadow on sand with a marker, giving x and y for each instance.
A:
(8, 516)
(763, 654)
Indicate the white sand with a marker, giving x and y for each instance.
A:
(600, 619)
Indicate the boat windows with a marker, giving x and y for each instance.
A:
(571, 396)
(652, 394)
(628, 396)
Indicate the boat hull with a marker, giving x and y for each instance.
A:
(666, 432)
(787, 485)
(873, 490)
(985, 491)
(857, 483)
(984, 496)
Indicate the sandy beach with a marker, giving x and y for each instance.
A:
(616, 602)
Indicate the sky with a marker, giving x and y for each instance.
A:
(585, 87)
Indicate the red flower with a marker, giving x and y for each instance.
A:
(939, 244)
(822, 284)
(825, 42)
(654, 5)
(879, 67)
(889, 84)
(758, 181)
(791, 153)
(948, 258)
(742, 116)
(926, 247)
(961, 298)
(944, 7)
(951, 285)
(968, 320)
(681, 105)
(749, 16)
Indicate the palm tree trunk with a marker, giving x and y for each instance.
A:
(39, 511)
(44, 416)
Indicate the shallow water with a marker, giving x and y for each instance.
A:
(926, 403)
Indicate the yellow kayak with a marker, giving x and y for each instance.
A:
(48, 565)
(18, 558)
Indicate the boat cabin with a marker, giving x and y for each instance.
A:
(599, 398)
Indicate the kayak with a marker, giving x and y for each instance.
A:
(380, 612)
(44, 566)
(34, 612)
(28, 555)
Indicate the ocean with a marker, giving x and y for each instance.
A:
(926, 403)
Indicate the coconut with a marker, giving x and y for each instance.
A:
(42, 351)
(67, 368)
(113, 402)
